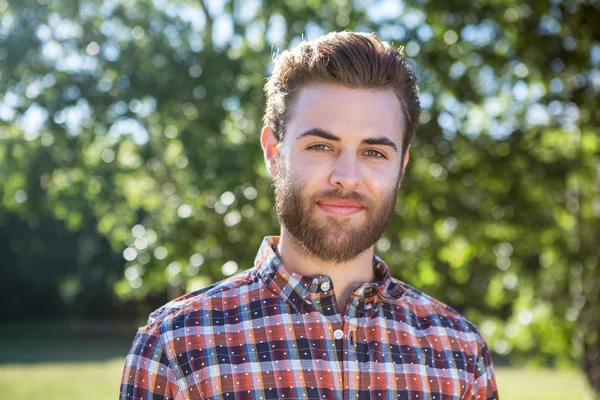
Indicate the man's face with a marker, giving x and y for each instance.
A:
(338, 169)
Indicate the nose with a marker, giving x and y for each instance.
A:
(346, 172)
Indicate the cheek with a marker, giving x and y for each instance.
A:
(310, 172)
(381, 184)
(376, 172)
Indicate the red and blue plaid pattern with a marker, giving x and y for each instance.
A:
(269, 333)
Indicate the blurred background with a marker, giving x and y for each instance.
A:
(131, 173)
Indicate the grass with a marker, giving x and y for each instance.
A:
(97, 380)
(545, 384)
(84, 363)
(100, 380)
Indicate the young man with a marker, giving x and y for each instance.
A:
(319, 316)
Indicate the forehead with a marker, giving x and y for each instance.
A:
(351, 113)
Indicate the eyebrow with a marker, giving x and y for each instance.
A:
(322, 133)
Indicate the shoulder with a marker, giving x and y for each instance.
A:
(163, 318)
(428, 310)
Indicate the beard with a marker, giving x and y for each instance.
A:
(334, 239)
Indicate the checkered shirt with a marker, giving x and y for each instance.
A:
(269, 333)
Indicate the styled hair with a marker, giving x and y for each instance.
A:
(351, 59)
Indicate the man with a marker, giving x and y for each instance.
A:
(318, 316)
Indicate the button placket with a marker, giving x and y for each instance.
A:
(338, 347)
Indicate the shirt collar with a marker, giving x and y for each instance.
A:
(295, 288)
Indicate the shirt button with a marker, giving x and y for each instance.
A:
(338, 334)
(368, 306)
(325, 286)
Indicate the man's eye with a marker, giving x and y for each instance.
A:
(374, 153)
(319, 147)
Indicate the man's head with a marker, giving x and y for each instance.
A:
(341, 112)
(351, 59)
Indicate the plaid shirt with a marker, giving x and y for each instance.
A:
(269, 333)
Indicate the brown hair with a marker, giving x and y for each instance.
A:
(357, 60)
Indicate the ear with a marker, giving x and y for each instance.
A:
(269, 143)
(404, 162)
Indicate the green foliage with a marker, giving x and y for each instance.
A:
(150, 119)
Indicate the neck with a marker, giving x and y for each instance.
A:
(346, 277)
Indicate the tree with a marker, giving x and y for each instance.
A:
(150, 119)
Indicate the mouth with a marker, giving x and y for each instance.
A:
(340, 207)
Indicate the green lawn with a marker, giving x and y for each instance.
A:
(99, 380)
(88, 365)
(526, 384)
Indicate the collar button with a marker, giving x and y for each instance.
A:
(325, 286)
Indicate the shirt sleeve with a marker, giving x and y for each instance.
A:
(148, 373)
(484, 385)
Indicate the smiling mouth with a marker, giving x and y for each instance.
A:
(340, 207)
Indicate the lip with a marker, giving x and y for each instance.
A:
(340, 203)
(340, 207)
